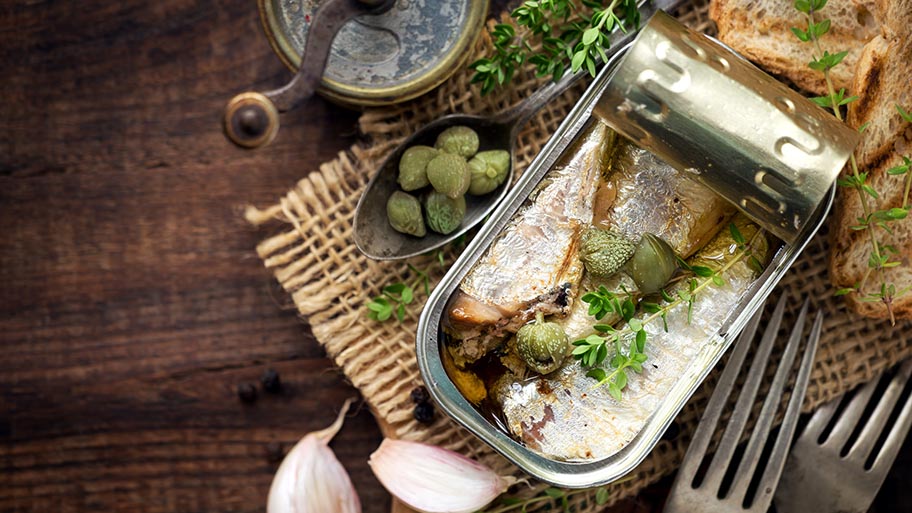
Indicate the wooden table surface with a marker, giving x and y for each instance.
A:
(132, 304)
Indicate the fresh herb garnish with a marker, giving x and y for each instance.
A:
(395, 297)
(882, 255)
(555, 496)
(593, 350)
(393, 300)
(550, 41)
(602, 302)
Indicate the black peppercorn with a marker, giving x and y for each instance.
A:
(424, 412)
(420, 395)
(271, 382)
(247, 392)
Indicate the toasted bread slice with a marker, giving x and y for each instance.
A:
(883, 80)
(761, 31)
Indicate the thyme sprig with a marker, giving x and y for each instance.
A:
(882, 255)
(395, 298)
(592, 351)
(551, 495)
(562, 44)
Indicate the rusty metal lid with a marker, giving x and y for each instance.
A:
(386, 58)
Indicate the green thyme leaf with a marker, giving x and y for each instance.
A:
(905, 115)
(554, 493)
(615, 391)
(800, 34)
(822, 28)
(898, 170)
(736, 234)
(564, 45)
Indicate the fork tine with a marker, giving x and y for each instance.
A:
(894, 441)
(732, 435)
(697, 449)
(760, 434)
(846, 422)
(773, 470)
(820, 419)
(871, 431)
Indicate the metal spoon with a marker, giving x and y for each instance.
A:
(373, 234)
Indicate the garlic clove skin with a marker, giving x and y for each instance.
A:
(431, 479)
(311, 479)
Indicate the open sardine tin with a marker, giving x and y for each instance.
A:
(559, 428)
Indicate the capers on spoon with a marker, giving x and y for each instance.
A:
(374, 235)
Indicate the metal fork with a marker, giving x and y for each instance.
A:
(707, 496)
(818, 478)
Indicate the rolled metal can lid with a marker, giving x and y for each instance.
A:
(386, 58)
(706, 110)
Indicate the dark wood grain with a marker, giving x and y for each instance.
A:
(132, 304)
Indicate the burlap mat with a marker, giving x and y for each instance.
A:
(316, 262)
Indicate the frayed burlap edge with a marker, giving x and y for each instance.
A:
(329, 281)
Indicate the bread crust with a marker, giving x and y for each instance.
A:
(878, 68)
(882, 80)
(761, 31)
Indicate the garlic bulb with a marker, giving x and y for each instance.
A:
(431, 479)
(311, 479)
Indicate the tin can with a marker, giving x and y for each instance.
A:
(431, 338)
(386, 58)
(746, 136)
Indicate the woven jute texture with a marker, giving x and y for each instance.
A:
(313, 257)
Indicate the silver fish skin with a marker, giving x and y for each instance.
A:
(563, 415)
(644, 194)
(534, 265)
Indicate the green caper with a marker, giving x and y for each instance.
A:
(653, 263)
(488, 170)
(449, 174)
(444, 214)
(542, 345)
(604, 252)
(413, 167)
(458, 140)
(404, 213)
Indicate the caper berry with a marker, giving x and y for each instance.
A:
(449, 174)
(542, 345)
(458, 140)
(413, 167)
(444, 214)
(404, 213)
(653, 263)
(488, 170)
(604, 252)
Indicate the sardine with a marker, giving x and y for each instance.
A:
(564, 416)
(643, 194)
(533, 266)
